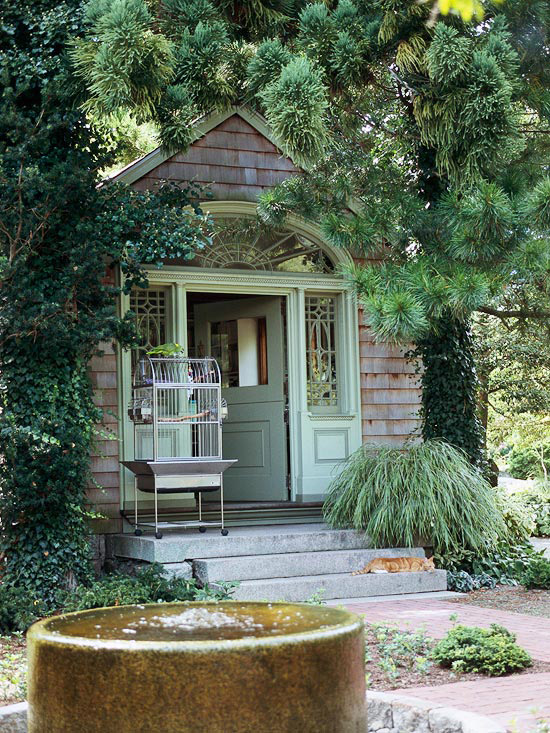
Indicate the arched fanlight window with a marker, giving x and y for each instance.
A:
(244, 244)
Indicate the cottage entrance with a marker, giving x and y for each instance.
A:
(246, 337)
(275, 312)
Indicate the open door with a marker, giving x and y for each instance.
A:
(245, 336)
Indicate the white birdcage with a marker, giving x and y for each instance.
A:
(177, 411)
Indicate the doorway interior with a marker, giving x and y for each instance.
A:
(247, 335)
(291, 353)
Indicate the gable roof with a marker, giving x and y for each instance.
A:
(143, 166)
(233, 152)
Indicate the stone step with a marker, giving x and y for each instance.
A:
(340, 585)
(281, 565)
(256, 540)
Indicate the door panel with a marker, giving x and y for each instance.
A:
(246, 336)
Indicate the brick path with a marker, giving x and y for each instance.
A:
(514, 701)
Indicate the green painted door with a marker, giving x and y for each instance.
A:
(246, 337)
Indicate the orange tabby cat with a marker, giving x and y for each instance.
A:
(398, 565)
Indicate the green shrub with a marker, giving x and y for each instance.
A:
(18, 609)
(537, 499)
(430, 491)
(518, 516)
(505, 563)
(148, 585)
(524, 460)
(537, 575)
(462, 582)
(490, 651)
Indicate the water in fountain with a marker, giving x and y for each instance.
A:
(175, 622)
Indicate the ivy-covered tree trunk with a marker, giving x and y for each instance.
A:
(450, 387)
(47, 420)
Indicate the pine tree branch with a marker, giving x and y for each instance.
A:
(521, 313)
(401, 82)
(407, 103)
(367, 119)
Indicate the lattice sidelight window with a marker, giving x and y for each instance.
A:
(322, 367)
(149, 307)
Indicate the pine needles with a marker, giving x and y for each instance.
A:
(429, 493)
(295, 106)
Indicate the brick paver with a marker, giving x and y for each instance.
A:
(533, 632)
(517, 701)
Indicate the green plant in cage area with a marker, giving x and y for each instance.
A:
(169, 349)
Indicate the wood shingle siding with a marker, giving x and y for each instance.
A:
(390, 392)
(104, 491)
(233, 159)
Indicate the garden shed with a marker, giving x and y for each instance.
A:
(304, 380)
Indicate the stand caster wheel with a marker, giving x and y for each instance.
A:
(138, 532)
(225, 532)
(158, 535)
(202, 530)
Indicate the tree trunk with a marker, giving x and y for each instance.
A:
(450, 387)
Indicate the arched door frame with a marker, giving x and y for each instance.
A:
(310, 433)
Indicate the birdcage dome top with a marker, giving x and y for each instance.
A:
(176, 371)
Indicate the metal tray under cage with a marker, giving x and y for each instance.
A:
(177, 412)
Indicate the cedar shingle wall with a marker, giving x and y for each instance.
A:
(104, 492)
(390, 393)
(234, 159)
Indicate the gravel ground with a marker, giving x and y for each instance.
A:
(510, 598)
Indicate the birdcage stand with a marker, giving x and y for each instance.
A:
(178, 477)
(177, 411)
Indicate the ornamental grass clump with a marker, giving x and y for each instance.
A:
(429, 493)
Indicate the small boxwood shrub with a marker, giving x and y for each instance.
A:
(537, 574)
(490, 651)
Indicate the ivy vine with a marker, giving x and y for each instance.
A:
(450, 388)
(59, 233)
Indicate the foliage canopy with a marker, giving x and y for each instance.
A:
(436, 131)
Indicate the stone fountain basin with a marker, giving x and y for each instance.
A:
(231, 667)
